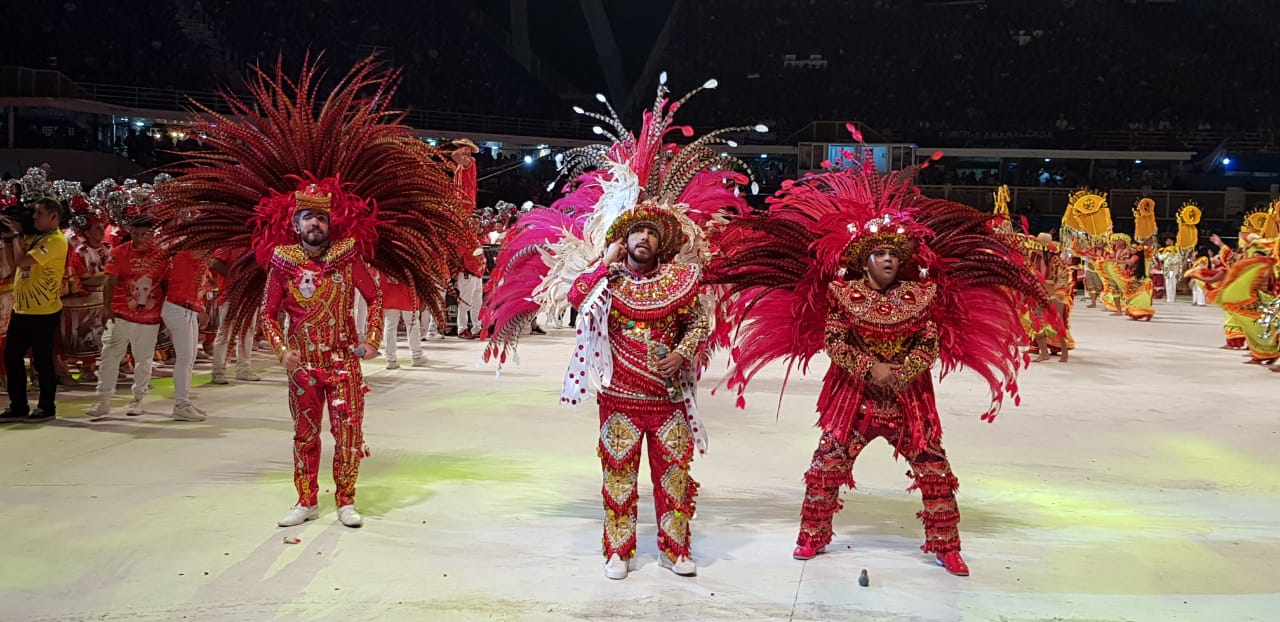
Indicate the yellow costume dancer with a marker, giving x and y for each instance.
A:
(1044, 258)
(1214, 280)
(1245, 290)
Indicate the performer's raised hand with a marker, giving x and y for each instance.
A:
(292, 361)
(615, 253)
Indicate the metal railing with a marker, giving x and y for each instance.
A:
(27, 82)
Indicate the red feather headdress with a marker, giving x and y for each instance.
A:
(777, 266)
(402, 201)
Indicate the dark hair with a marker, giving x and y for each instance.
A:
(1140, 267)
(55, 206)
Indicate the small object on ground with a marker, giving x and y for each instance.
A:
(292, 540)
(863, 580)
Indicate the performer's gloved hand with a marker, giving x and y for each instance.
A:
(884, 373)
(292, 361)
(670, 364)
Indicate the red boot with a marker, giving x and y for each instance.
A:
(954, 564)
(807, 551)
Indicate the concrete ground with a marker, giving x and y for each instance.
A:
(1137, 482)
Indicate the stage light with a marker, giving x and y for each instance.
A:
(1226, 161)
(764, 156)
(1137, 161)
(528, 159)
(1048, 159)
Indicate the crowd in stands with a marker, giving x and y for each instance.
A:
(1052, 66)
(1055, 65)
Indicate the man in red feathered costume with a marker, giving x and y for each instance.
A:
(314, 283)
(899, 282)
(882, 341)
(655, 326)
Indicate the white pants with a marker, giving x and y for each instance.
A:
(1170, 286)
(427, 319)
(244, 345)
(470, 299)
(391, 330)
(1197, 294)
(184, 329)
(362, 317)
(121, 335)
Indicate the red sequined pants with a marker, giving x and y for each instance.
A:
(343, 390)
(833, 466)
(623, 425)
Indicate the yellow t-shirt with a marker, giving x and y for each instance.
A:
(37, 289)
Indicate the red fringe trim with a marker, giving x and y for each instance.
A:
(626, 551)
(674, 550)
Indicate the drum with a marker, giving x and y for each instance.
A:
(80, 334)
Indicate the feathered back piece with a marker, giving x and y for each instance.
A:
(777, 268)
(394, 194)
(683, 191)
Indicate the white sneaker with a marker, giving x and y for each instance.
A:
(419, 361)
(347, 515)
(298, 515)
(186, 412)
(616, 567)
(436, 336)
(135, 408)
(393, 364)
(248, 376)
(220, 377)
(683, 566)
(101, 409)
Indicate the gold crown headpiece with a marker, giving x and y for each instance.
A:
(312, 199)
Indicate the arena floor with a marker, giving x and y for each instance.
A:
(1137, 482)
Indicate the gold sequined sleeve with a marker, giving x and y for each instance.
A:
(839, 344)
(922, 355)
(270, 316)
(696, 329)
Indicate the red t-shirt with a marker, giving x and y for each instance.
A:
(396, 295)
(138, 274)
(188, 280)
(473, 261)
(88, 261)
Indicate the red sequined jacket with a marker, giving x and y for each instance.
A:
(648, 314)
(318, 294)
(867, 326)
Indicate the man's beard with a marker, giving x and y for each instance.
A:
(650, 258)
(315, 237)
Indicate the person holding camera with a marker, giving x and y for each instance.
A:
(39, 262)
